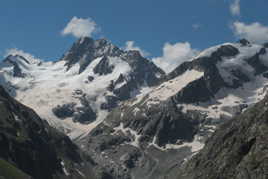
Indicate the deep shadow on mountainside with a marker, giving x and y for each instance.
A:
(31, 149)
(237, 150)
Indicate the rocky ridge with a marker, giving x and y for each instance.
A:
(238, 149)
(175, 118)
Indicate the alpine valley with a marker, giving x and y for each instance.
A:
(106, 113)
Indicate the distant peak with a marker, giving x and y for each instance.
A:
(92, 43)
(103, 40)
(83, 40)
(134, 53)
(14, 58)
(17, 55)
(244, 42)
(87, 49)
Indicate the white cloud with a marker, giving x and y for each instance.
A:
(174, 55)
(254, 32)
(235, 8)
(28, 56)
(196, 26)
(80, 27)
(130, 45)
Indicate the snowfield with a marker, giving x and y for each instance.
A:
(48, 84)
(168, 89)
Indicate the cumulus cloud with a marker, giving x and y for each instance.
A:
(254, 32)
(130, 45)
(235, 8)
(80, 27)
(174, 55)
(28, 56)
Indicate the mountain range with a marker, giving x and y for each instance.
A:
(129, 119)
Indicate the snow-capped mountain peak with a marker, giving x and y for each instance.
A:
(21, 55)
(87, 49)
(118, 102)
(76, 93)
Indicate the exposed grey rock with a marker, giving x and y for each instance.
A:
(112, 102)
(256, 63)
(17, 72)
(103, 67)
(84, 115)
(236, 150)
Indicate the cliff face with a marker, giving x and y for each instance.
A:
(238, 149)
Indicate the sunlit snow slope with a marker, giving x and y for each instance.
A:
(75, 93)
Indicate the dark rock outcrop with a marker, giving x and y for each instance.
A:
(29, 144)
(244, 42)
(84, 115)
(64, 111)
(103, 67)
(17, 72)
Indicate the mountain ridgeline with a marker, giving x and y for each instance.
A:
(172, 121)
(135, 121)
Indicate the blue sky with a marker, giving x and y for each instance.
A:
(36, 26)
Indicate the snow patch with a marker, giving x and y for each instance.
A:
(135, 111)
(80, 173)
(172, 87)
(195, 145)
(64, 169)
(16, 117)
(127, 130)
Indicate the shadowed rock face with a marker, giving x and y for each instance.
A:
(86, 49)
(103, 67)
(33, 147)
(17, 72)
(238, 149)
(83, 114)
(64, 111)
